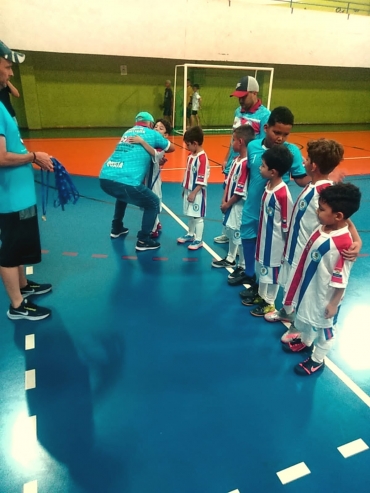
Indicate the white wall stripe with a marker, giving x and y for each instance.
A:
(29, 342)
(292, 473)
(30, 379)
(353, 448)
(29, 270)
(30, 487)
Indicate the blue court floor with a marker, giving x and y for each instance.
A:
(152, 377)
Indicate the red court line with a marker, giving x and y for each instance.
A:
(70, 254)
(190, 259)
(160, 258)
(99, 255)
(129, 257)
(44, 251)
(363, 254)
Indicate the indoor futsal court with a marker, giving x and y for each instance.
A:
(151, 376)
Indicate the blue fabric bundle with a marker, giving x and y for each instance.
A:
(66, 191)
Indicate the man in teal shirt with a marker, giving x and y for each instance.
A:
(19, 231)
(122, 177)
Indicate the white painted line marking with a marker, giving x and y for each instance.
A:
(29, 342)
(353, 448)
(30, 487)
(292, 473)
(234, 491)
(29, 270)
(347, 381)
(30, 379)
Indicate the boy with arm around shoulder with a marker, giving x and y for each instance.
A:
(318, 285)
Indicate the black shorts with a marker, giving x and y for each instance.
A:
(20, 238)
(194, 112)
(188, 112)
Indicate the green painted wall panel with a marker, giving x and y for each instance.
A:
(88, 91)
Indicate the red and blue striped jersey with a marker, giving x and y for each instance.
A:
(197, 171)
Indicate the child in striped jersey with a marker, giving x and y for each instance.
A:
(276, 206)
(323, 156)
(235, 193)
(321, 277)
(194, 188)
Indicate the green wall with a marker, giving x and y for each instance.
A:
(66, 91)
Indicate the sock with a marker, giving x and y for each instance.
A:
(199, 227)
(249, 250)
(232, 252)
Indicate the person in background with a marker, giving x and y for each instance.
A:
(168, 102)
(189, 98)
(196, 101)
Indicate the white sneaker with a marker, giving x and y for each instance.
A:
(195, 245)
(221, 239)
(280, 316)
(290, 334)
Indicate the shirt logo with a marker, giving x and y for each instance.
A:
(115, 164)
(193, 168)
(316, 256)
(302, 205)
(270, 210)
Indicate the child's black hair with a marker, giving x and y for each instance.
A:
(166, 124)
(325, 153)
(280, 114)
(342, 197)
(194, 134)
(279, 158)
(196, 85)
(245, 132)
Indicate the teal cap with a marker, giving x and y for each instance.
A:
(144, 116)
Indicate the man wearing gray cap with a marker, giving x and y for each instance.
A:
(19, 231)
(250, 112)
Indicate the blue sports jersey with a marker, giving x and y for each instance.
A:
(129, 163)
(17, 185)
(257, 117)
(256, 184)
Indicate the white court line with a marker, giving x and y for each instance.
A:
(292, 473)
(30, 379)
(353, 448)
(339, 373)
(234, 491)
(29, 270)
(363, 157)
(30, 487)
(29, 342)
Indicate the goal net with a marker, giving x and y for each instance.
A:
(216, 83)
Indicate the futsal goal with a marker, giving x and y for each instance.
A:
(216, 83)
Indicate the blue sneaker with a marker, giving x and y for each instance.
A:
(195, 245)
(185, 239)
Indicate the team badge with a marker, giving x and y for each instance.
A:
(196, 207)
(270, 210)
(194, 168)
(263, 271)
(316, 256)
(237, 235)
(302, 205)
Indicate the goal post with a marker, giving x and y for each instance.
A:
(216, 82)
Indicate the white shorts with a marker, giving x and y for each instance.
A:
(196, 208)
(285, 273)
(267, 275)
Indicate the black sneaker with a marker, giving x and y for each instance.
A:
(240, 279)
(28, 311)
(117, 232)
(236, 273)
(150, 244)
(223, 263)
(33, 288)
(308, 367)
(249, 292)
